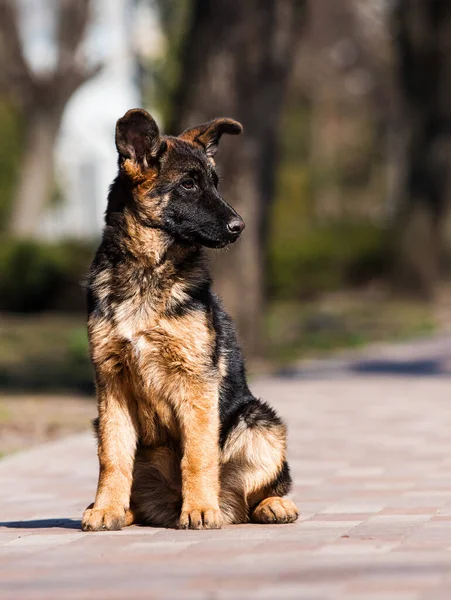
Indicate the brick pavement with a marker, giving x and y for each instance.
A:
(370, 451)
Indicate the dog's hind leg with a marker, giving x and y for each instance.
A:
(254, 473)
(156, 497)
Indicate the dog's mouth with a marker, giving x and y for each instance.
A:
(210, 240)
(215, 244)
(222, 243)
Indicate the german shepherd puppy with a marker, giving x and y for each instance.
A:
(181, 440)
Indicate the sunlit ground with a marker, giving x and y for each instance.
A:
(27, 420)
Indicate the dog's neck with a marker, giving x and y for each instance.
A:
(149, 247)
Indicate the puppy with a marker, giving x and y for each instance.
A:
(182, 442)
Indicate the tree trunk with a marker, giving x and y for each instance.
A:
(236, 63)
(423, 29)
(36, 173)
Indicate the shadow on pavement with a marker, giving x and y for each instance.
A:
(421, 367)
(43, 524)
(418, 368)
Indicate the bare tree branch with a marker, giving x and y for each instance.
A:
(63, 84)
(16, 74)
(73, 17)
(55, 88)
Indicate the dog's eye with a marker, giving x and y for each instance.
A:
(188, 184)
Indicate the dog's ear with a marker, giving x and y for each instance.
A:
(138, 137)
(208, 134)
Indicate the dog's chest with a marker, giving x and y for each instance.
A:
(163, 355)
(161, 350)
(138, 327)
(135, 324)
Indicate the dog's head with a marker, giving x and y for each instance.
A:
(173, 179)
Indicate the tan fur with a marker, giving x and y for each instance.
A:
(134, 171)
(222, 366)
(116, 450)
(150, 244)
(252, 459)
(157, 487)
(275, 510)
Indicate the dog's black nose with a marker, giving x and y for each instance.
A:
(235, 226)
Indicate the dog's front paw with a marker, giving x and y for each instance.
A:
(103, 519)
(200, 518)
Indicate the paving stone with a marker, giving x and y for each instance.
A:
(371, 462)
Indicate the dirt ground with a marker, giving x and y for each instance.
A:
(28, 420)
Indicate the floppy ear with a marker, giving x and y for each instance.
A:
(208, 134)
(138, 137)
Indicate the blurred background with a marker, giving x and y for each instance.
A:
(342, 174)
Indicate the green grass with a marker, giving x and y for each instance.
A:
(308, 261)
(44, 352)
(339, 321)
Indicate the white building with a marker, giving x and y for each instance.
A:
(85, 155)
